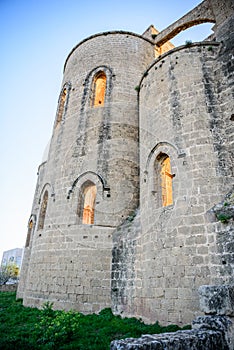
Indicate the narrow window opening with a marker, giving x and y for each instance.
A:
(61, 106)
(89, 204)
(43, 211)
(30, 228)
(164, 182)
(99, 89)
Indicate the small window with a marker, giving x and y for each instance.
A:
(166, 178)
(30, 228)
(165, 183)
(86, 203)
(61, 106)
(43, 211)
(99, 89)
(89, 204)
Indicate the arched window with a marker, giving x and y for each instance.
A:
(164, 168)
(86, 202)
(99, 89)
(30, 228)
(89, 204)
(61, 106)
(43, 211)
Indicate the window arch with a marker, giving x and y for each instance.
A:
(99, 89)
(43, 209)
(61, 106)
(165, 182)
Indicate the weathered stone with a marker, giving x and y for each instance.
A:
(222, 324)
(140, 252)
(218, 300)
(186, 340)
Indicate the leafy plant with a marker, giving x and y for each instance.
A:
(224, 218)
(55, 327)
(137, 88)
(188, 42)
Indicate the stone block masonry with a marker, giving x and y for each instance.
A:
(9, 287)
(133, 204)
(208, 333)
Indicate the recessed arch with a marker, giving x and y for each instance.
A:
(88, 96)
(62, 104)
(31, 226)
(161, 145)
(81, 195)
(86, 202)
(96, 178)
(161, 174)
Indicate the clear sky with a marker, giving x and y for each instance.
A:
(36, 37)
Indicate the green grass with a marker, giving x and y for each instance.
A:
(25, 328)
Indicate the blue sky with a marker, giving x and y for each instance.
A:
(36, 37)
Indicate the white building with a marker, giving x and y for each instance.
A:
(12, 256)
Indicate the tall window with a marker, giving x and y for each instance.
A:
(99, 89)
(43, 211)
(166, 178)
(86, 206)
(30, 228)
(89, 204)
(62, 101)
(165, 183)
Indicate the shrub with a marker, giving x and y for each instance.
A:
(137, 88)
(55, 327)
(188, 42)
(224, 218)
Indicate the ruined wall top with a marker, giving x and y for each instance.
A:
(200, 14)
(214, 11)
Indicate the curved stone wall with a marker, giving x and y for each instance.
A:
(69, 261)
(177, 247)
(103, 139)
(151, 240)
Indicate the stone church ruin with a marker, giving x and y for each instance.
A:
(133, 207)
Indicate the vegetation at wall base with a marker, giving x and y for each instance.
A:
(24, 328)
(224, 218)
